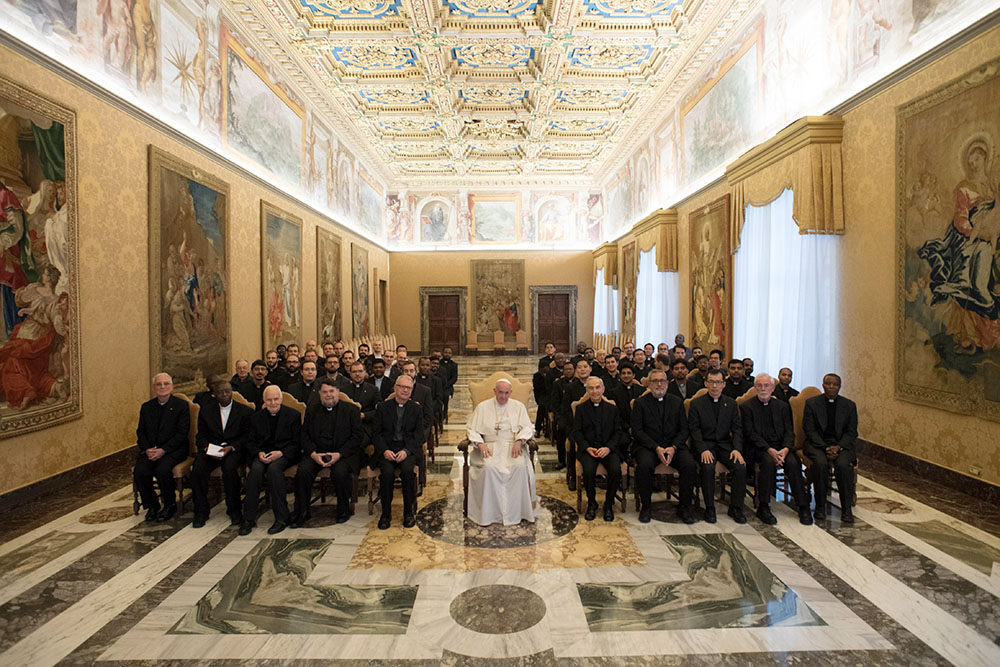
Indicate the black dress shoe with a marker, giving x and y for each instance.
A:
(820, 513)
(235, 520)
(245, 528)
(167, 513)
(737, 515)
(591, 513)
(710, 514)
(645, 515)
(560, 466)
(805, 516)
(384, 523)
(685, 514)
(571, 484)
(343, 518)
(409, 521)
(151, 515)
(276, 527)
(609, 513)
(847, 515)
(765, 515)
(199, 522)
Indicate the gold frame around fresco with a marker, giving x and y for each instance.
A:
(265, 208)
(963, 403)
(39, 417)
(159, 159)
(727, 308)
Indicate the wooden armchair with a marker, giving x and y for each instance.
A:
(622, 495)
(481, 391)
(471, 341)
(798, 404)
(521, 336)
(499, 347)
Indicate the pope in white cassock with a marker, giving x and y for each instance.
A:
(502, 478)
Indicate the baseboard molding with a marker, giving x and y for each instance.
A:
(32, 492)
(970, 486)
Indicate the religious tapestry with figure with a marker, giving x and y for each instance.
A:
(359, 290)
(281, 276)
(711, 276)
(39, 334)
(948, 246)
(328, 284)
(188, 272)
(498, 295)
(628, 272)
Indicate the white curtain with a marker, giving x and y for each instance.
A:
(785, 295)
(605, 306)
(657, 316)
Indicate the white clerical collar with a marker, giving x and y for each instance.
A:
(163, 402)
(715, 400)
(595, 404)
(831, 400)
(330, 409)
(660, 399)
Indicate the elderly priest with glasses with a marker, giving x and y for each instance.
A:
(502, 478)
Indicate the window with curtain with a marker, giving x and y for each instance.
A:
(605, 306)
(657, 317)
(785, 294)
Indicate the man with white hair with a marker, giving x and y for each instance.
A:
(502, 479)
(162, 437)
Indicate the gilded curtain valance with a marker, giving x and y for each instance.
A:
(659, 230)
(806, 157)
(606, 257)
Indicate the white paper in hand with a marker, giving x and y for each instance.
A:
(215, 451)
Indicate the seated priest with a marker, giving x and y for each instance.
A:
(398, 432)
(502, 478)
(600, 439)
(784, 389)
(659, 435)
(272, 447)
(331, 438)
(223, 429)
(628, 389)
(831, 425)
(769, 442)
(683, 386)
(736, 384)
(717, 434)
(253, 390)
(365, 395)
(162, 438)
(306, 390)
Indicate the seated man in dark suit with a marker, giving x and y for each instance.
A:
(398, 430)
(242, 374)
(717, 434)
(639, 364)
(365, 395)
(784, 389)
(736, 384)
(421, 395)
(331, 438)
(628, 389)
(831, 425)
(597, 430)
(769, 442)
(253, 390)
(683, 386)
(162, 438)
(306, 390)
(225, 425)
(272, 448)
(382, 384)
(612, 375)
(659, 435)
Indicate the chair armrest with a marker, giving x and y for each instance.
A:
(532, 445)
(464, 445)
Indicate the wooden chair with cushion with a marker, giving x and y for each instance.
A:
(182, 469)
(499, 347)
(751, 483)
(798, 404)
(471, 342)
(522, 341)
(479, 392)
(622, 495)
(373, 473)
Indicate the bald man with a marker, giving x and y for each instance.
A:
(600, 439)
(162, 438)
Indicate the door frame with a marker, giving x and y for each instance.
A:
(533, 292)
(462, 292)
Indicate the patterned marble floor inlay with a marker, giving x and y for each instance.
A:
(30, 557)
(442, 519)
(267, 593)
(497, 609)
(883, 505)
(107, 515)
(965, 548)
(729, 587)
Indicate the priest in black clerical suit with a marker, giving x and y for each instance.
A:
(225, 423)
(830, 422)
(783, 389)
(162, 438)
(769, 442)
(306, 390)
(573, 390)
(736, 383)
(628, 389)
(366, 396)
(331, 438)
(659, 435)
(273, 447)
(600, 439)
(682, 385)
(717, 435)
(397, 436)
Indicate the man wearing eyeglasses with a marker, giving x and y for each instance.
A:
(717, 435)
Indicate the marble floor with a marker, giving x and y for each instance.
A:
(914, 581)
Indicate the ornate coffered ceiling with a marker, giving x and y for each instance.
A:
(483, 92)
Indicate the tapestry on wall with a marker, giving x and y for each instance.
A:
(359, 291)
(627, 276)
(328, 284)
(948, 256)
(498, 295)
(281, 276)
(711, 276)
(40, 335)
(188, 272)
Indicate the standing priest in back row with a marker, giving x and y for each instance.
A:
(501, 479)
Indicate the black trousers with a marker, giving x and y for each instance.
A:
(275, 473)
(645, 463)
(767, 474)
(163, 471)
(738, 470)
(559, 440)
(444, 405)
(202, 470)
(387, 478)
(342, 474)
(541, 418)
(843, 471)
(612, 464)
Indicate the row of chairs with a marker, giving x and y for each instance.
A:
(499, 346)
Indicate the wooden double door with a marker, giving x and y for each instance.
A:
(553, 321)
(444, 323)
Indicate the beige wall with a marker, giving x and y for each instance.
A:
(114, 332)
(413, 270)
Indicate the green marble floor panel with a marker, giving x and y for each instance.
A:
(953, 542)
(34, 554)
(267, 593)
(728, 587)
